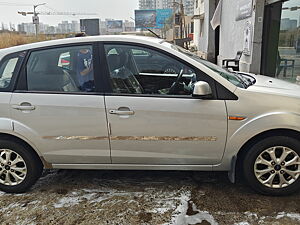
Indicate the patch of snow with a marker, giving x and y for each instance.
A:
(88, 196)
(242, 223)
(199, 217)
(180, 216)
(294, 216)
(252, 215)
(26, 222)
(160, 210)
(91, 195)
(67, 202)
(9, 207)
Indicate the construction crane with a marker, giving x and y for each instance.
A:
(35, 17)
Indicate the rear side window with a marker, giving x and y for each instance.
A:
(9, 68)
(61, 69)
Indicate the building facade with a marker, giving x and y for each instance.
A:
(266, 31)
(165, 4)
(147, 4)
(64, 27)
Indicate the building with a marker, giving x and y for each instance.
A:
(27, 28)
(265, 31)
(103, 27)
(62, 28)
(147, 4)
(129, 26)
(165, 4)
(189, 7)
(75, 26)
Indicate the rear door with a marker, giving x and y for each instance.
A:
(59, 108)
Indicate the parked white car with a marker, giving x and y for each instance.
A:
(137, 103)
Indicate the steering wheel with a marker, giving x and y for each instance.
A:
(175, 84)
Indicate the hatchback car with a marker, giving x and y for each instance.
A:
(138, 103)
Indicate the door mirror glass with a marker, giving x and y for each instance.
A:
(202, 90)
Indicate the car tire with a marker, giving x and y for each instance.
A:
(269, 168)
(20, 168)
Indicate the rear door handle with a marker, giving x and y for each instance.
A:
(24, 107)
(119, 112)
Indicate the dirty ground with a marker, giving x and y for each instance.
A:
(144, 197)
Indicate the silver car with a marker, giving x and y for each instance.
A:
(137, 103)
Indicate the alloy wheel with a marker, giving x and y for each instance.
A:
(13, 169)
(277, 167)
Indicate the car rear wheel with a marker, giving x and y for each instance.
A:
(19, 167)
(272, 166)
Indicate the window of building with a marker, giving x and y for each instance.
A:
(288, 58)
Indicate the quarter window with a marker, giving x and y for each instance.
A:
(138, 70)
(8, 69)
(61, 70)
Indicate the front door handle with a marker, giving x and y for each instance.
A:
(25, 106)
(122, 111)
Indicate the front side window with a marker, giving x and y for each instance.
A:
(8, 68)
(233, 78)
(68, 69)
(139, 70)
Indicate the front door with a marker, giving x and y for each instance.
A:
(153, 117)
(59, 110)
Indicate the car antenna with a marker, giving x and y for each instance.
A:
(151, 31)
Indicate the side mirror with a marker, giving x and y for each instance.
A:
(202, 90)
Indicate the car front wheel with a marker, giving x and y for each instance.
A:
(19, 167)
(272, 166)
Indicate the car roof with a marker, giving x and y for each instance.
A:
(122, 38)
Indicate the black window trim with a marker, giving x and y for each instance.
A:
(106, 75)
(21, 83)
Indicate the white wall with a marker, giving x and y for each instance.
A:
(204, 43)
(232, 34)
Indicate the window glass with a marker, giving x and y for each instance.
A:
(230, 76)
(61, 70)
(288, 53)
(138, 70)
(9, 67)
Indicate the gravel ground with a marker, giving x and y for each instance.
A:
(144, 197)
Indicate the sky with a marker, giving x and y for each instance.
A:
(112, 9)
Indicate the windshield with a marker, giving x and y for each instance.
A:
(233, 78)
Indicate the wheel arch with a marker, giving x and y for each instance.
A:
(11, 137)
(269, 133)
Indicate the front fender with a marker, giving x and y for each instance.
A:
(252, 127)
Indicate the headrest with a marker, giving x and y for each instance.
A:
(114, 62)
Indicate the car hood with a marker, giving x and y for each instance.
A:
(275, 86)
